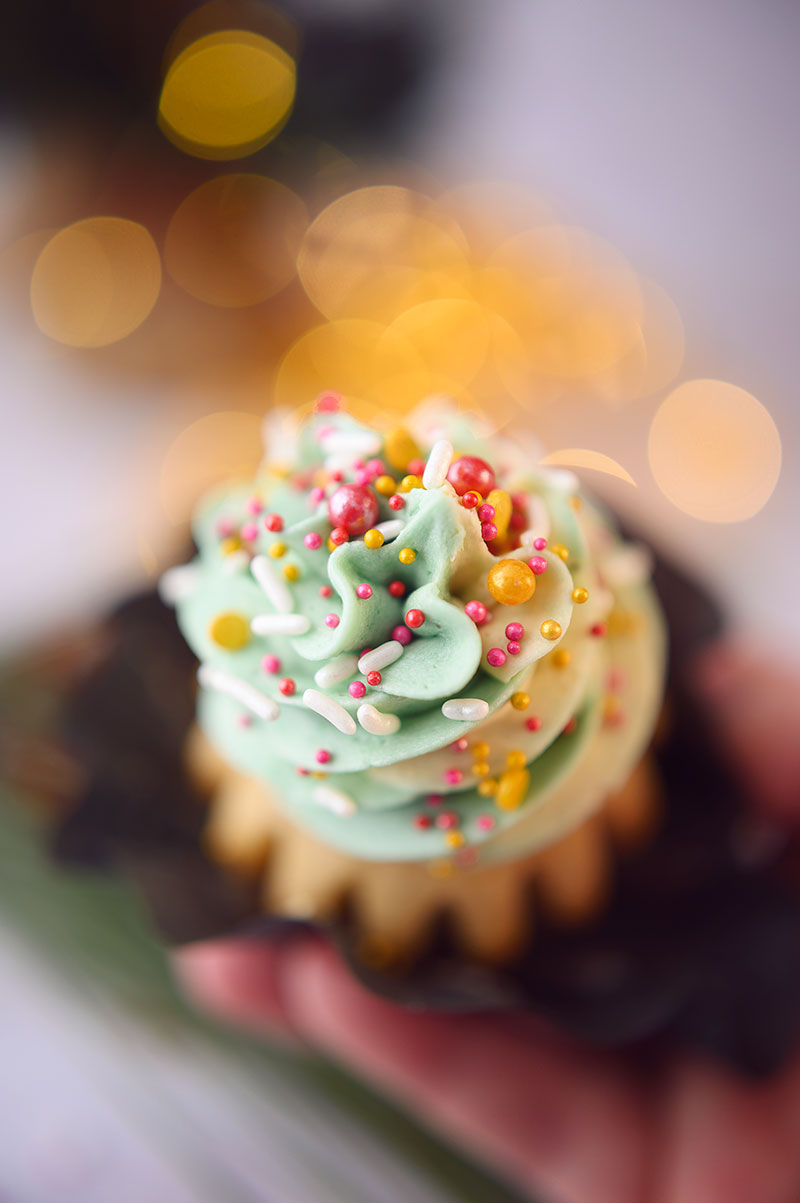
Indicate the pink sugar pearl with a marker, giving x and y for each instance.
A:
(249, 531)
(485, 822)
(533, 723)
(537, 564)
(322, 756)
(325, 590)
(460, 745)
(488, 531)
(540, 544)
(477, 611)
(513, 647)
(515, 630)
(316, 495)
(364, 591)
(253, 505)
(271, 664)
(453, 776)
(313, 541)
(402, 635)
(496, 657)
(245, 720)
(375, 467)
(331, 620)
(356, 689)
(446, 819)
(361, 476)
(225, 527)
(486, 513)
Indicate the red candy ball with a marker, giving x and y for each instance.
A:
(355, 507)
(397, 589)
(469, 472)
(373, 678)
(414, 618)
(287, 686)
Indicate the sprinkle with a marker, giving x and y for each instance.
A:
(373, 539)
(338, 536)
(356, 689)
(325, 591)
(385, 485)
(513, 647)
(335, 800)
(247, 695)
(374, 679)
(397, 589)
(481, 768)
(520, 700)
(560, 658)
(550, 629)
(558, 549)
(332, 620)
(230, 545)
(273, 522)
(291, 572)
(330, 710)
(540, 544)
(322, 756)
(364, 592)
(515, 630)
(416, 466)
(313, 541)
(375, 722)
(480, 749)
(570, 727)
(178, 583)
(599, 630)
(487, 787)
(280, 624)
(390, 530)
(245, 720)
(396, 502)
(537, 565)
(516, 759)
(454, 839)
(225, 527)
(316, 496)
(249, 532)
(533, 723)
(277, 550)
(408, 483)
(271, 664)
(446, 820)
(477, 611)
(465, 710)
(335, 671)
(272, 585)
(488, 531)
(401, 634)
(511, 582)
(485, 822)
(434, 799)
(287, 686)
(328, 403)
(415, 619)
(422, 821)
(229, 630)
(496, 657)
(486, 513)
(453, 776)
(381, 656)
(460, 745)
(437, 467)
(471, 500)
(406, 555)
(512, 788)
(580, 595)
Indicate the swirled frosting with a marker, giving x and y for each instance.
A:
(369, 678)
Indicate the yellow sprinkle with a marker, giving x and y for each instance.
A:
(580, 595)
(512, 788)
(520, 700)
(480, 749)
(399, 448)
(576, 502)
(408, 483)
(291, 572)
(229, 630)
(230, 545)
(487, 787)
(502, 510)
(277, 550)
(373, 538)
(481, 768)
(318, 775)
(454, 838)
(516, 759)
(551, 629)
(611, 706)
(558, 549)
(406, 555)
(561, 657)
(386, 485)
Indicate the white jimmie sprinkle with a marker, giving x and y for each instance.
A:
(250, 697)
(334, 799)
(468, 710)
(235, 562)
(390, 529)
(280, 624)
(350, 442)
(336, 671)
(438, 464)
(178, 583)
(380, 657)
(273, 585)
(376, 722)
(328, 709)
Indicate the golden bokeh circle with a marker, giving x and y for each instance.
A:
(227, 94)
(714, 451)
(212, 449)
(95, 281)
(233, 241)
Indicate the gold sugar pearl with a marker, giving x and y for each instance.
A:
(550, 629)
(481, 768)
(230, 630)
(373, 539)
(331, 545)
(576, 502)
(277, 550)
(385, 485)
(487, 787)
(480, 749)
(580, 595)
(520, 700)
(454, 839)
(230, 544)
(406, 555)
(399, 448)
(512, 788)
(408, 483)
(516, 759)
(561, 657)
(558, 549)
(291, 572)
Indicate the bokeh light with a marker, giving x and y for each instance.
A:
(95, 281)
(584, 457)
(215, 448)
(234, 240)
(227, 94)
(714, 451)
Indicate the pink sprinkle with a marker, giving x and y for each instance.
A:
(460, 745)
(422, 821)
(416, 467)
(303, 772)
(376, 468)
(488, 531)
(356, 689)
(361, 476)
(225, 527)
(477, 611)
(513, 647)
(325, 590)
(537, 564)
(570, 727)
(316, 495)
(245, 720)
(515, 630)
(273, 522)
(496, 656)
(446, 819)
(485, 822)
(434, 799)
(253, 505)
(328, 402)
(331, 620)
(249, 532)
(313, 541)
(363, 591)
(533, 723)
(322, 756)
(271, 664)
(402, 635)
(358, 464)
(540, 544)
(453, 776)
(337, 475)
(486, 513)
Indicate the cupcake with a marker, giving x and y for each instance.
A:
(430, 672)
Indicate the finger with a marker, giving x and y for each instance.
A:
(566, 1123)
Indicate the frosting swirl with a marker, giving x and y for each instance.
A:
(436, 678)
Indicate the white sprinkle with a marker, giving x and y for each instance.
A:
(335, 671)
(468, 710)
(273, 585)
(390, 529)
(334, 799)
(328, 709)
(380, 657)
(439, 461)
(215, 678)
(280, 624)
(235, 562)
(351, 442)
(376, 722)
(178, 583)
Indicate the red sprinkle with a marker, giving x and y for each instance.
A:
(325, 590)
(397, 589)
(339, 536)
(287, 686)
(396, 502)
(446, 819)
(273, 522)
(414, 619)
(533, 723)
(599, 630)
(364, 591)
(374, 678)
(470, 500)
(402, 635)
(422, 821)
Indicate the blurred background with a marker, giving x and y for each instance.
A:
(574, 218)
